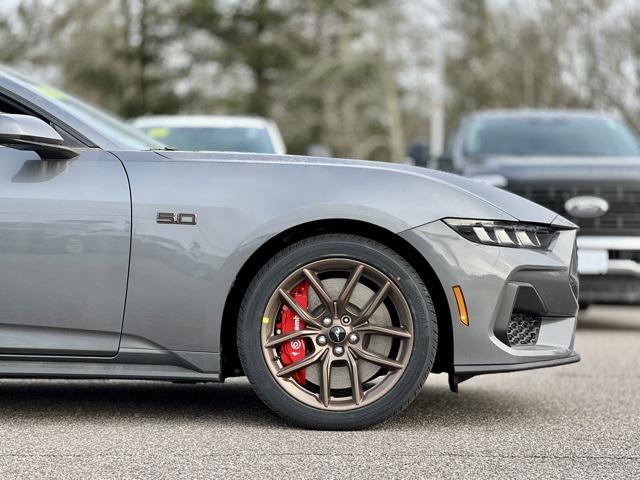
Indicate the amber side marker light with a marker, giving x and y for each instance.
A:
(462, 306)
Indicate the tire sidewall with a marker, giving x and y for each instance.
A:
(337, 246)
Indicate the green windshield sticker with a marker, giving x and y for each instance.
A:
(158, 132)
(51, 92)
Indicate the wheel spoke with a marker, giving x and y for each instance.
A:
(325, 381)
(305, 362)
(354, 375)
(385, 331)
(349, 287)
(303, 314)
(373, 304)
(359, 305)
(316, 284)
(276, 340)
(376, 359)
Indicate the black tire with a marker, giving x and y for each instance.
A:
(376, 255)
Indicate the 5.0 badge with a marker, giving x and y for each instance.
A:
(176, 218)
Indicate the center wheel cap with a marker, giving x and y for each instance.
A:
(337, 334)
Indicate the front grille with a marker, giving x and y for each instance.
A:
(523, 329)
(623, 217)
(633, 255)
(610, 289)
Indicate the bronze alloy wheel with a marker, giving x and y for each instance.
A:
(357, 334)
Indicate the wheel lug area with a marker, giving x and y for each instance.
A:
(345, 319)
(353, 338)
(337, 335)
(338, 350)
(327, 322)
(321, 340)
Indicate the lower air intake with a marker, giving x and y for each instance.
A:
(523, 329)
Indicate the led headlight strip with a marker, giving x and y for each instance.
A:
(504, 234)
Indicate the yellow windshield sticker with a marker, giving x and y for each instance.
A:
(158, 133)
(51, 92)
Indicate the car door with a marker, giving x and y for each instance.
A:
(64, 253)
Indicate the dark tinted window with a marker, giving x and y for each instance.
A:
(549, 136)
(220, 139)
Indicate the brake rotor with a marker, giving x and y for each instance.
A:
(382, 345)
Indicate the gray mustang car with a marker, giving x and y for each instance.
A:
(336, 286)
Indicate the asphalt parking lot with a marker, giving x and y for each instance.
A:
(576, 421)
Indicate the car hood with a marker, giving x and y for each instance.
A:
(427, 189)
(558, 168)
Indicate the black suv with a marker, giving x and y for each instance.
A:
(582, 164)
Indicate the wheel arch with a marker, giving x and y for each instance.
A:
(230, 363)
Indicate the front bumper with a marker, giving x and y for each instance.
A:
(535, 289)
(615, 278)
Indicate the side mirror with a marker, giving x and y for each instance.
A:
(419, 152)
(25, 132)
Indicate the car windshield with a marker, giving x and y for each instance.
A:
(107, 124)
(220, 139)
(549, 136)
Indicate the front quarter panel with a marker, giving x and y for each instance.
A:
(180, 275)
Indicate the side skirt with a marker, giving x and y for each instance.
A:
(141, 364)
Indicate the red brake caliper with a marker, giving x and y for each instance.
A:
(294, 350)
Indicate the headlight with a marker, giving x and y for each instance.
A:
(504, 234)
